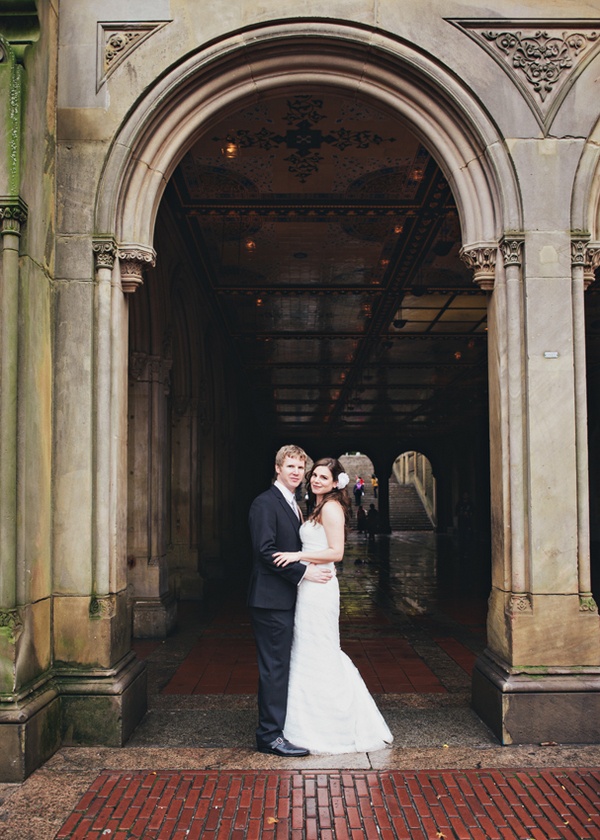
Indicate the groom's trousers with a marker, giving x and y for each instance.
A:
(273, 631)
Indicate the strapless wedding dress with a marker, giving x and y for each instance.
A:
(329, 707)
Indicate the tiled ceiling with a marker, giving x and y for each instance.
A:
(327, 237)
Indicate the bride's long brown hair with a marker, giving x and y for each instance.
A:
(341, 496)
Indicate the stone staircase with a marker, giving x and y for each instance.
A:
(406, 508)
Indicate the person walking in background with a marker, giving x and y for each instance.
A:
(358, 490)
(372, 521)
(374, 484)
(361, 520)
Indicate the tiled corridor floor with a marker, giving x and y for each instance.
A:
(413, 621)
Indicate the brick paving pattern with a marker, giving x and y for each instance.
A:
(338, 805)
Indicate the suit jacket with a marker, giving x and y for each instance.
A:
(273, 527)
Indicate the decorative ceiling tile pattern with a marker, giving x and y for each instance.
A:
(327, 238)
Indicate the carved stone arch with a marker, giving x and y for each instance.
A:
(585, 201)
(250, 64)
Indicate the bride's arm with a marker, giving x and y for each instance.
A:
(333, 521)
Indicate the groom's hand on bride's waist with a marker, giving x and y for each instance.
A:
(317, 574)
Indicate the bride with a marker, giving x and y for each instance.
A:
(329, 707)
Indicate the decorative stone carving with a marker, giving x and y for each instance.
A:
(134, 259)
(518, 604)
(543, 58)
(116, 41)
(591, 263)
(587, 604)
(105, 252)
(512, 250)
(104, 607)
(481, 259)
(11, 620)
(13, 214)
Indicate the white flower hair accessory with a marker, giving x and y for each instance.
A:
(343, 480)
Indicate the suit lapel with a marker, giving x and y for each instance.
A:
(288, 510)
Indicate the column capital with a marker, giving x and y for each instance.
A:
(511, 246)
(481, 259)
(13, 214)
(134, 259)
(587, 254)
(105, 251)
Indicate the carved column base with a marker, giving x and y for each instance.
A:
(154, 618)
(537, 705)
(30, 732)
(103, 707)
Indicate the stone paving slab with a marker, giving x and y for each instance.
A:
(389, 805)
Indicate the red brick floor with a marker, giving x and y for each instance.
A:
(228, 666)
(340, 805)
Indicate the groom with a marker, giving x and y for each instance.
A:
(274, 526)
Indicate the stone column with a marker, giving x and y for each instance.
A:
(154, 607)
(383, 468)
(539, 679)
(184, 576)
(102, 685)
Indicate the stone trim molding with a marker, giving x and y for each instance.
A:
(13, 214)
(543, 58)
(481, 260)
(134, 259)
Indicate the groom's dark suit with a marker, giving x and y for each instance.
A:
(272, 597)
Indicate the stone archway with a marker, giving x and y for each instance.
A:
(418, 90)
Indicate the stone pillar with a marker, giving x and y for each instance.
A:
(383, 469)
(102, 685)
(184, 576)
(539, 679)
(154, 607)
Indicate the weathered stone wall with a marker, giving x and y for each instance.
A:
(112, 95)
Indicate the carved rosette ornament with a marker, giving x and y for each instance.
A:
(134, 259)
(481, 260)
(13, 214)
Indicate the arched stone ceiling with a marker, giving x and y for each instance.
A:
(327, 239)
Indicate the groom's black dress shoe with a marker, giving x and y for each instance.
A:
(282, 747)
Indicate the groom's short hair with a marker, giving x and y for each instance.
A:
(289, 451)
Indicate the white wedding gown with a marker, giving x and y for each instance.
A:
(329, 707)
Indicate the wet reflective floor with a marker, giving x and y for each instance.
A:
(413, 610)
(412, 618)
